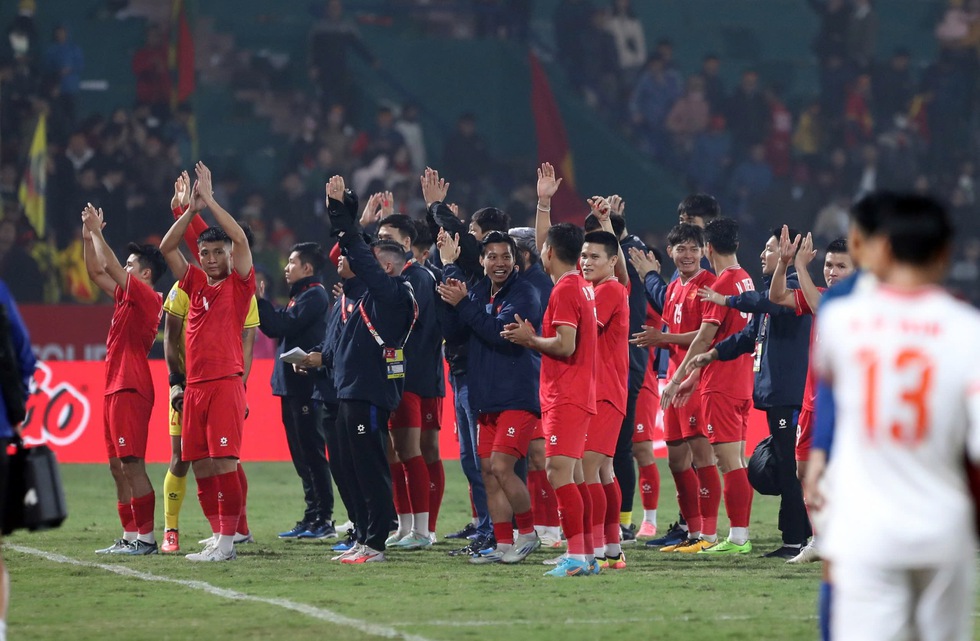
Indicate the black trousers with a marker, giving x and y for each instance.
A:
(623, 466)
(307, 448)
(363, 439)
(343, 475)
(793, 521)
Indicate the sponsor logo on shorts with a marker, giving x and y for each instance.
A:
(711, 429)
(122, 440)
(361, 429)
(428, 416)
(305, 410)
(782, 423)
(553, 439)
(694, 421)
(511, 431)
(223, 441)
(640, 427)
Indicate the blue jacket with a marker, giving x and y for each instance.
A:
(501, 375)
(541, 282)
(639, 357)
(22, 350)
(425, 373)
(784, 339)
(323, 386)
(302, 324)
(360, 371)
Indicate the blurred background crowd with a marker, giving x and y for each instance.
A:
(278, 103)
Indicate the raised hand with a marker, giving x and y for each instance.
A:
(617, 204)
(181, 191)
(92, 220)
(260, 289)
(600, 207)
(434, 188)
(335, 189)
(387, 204)
(453, 207)
(644, 262)
(520, 332)
(710, 295)
(649, 337)
(806, 254)
(787, 249)
(448, 246)
(452, 291)
(372, 210)
(547, 182)
(204, 186)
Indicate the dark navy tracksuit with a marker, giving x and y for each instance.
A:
(781, 342)
(302, 324)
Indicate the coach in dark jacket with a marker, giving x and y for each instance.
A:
(369, 366)
(302, 324)
(781, 342)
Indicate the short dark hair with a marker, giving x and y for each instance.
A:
(566, 240)
(837, 246)
(423, 235)
(702, 205)
(618, 224)
(495, 238)
(722, 233)
(249, 234)
(491, 219)
(607, 239)
(918, 228)
(311, 254)
(150, 257)
(526, 243)
(402, 223)
(213, 234)
(777, 231)
(867, 213)
(685, 232)
(392, 250)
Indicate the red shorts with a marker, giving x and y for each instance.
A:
(564, 428)
(537, 432)
(647, 406)
(507, 432)
(604, 429)
(126, 418)
(687, 421)
(804, 435)
(727, 418)
(415, 411)
(214, 413)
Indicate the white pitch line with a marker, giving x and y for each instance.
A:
(652, 618)
(322, 614)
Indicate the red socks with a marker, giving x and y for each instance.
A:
(417, 475)
(126, 516)
(688, 492)
(437, 487)
(583, 491)
(738, 497)
(504, 532)
(207, 494)
(570, 511)
(243, 520)
(598, 498)
(710, 499)
(544, 501)
(229, 500)
(399, 489)
(525, 522)
(650, 486)
(142, 511)
(614, 498)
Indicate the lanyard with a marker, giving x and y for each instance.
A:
(370, 326)
(292, 300)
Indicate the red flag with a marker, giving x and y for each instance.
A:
(182, 53)
(567, 205)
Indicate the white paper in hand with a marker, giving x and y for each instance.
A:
(295, 355)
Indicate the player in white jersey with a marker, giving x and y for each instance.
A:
(902, 362)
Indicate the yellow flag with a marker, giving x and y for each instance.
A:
(32, 185)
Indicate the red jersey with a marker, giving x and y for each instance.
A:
(135, 321)
(214, 324)
(612, 308)
(731, 378)
(810, 390)
(571, 380)
(683, 310)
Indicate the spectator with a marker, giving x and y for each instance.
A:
(899, 152)
(571, 19)
(835, 79)
(689, 116)
(892, 86)
(832, 220)
(631, 46)
(63, 59)
(384, 140)
(862, 34)
(467, 154)
(714, 86)
(859, 123)
(410, 128)
(778, 142)
(710, 158)
(18, 268)
(654, 95)
(599, 77)
(748, 114)
(152, 71)
(331, 40)
(834, 21)
(750, 179)
(22, 32)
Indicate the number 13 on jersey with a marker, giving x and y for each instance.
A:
(906, 393)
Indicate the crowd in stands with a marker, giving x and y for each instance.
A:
(875, 124)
